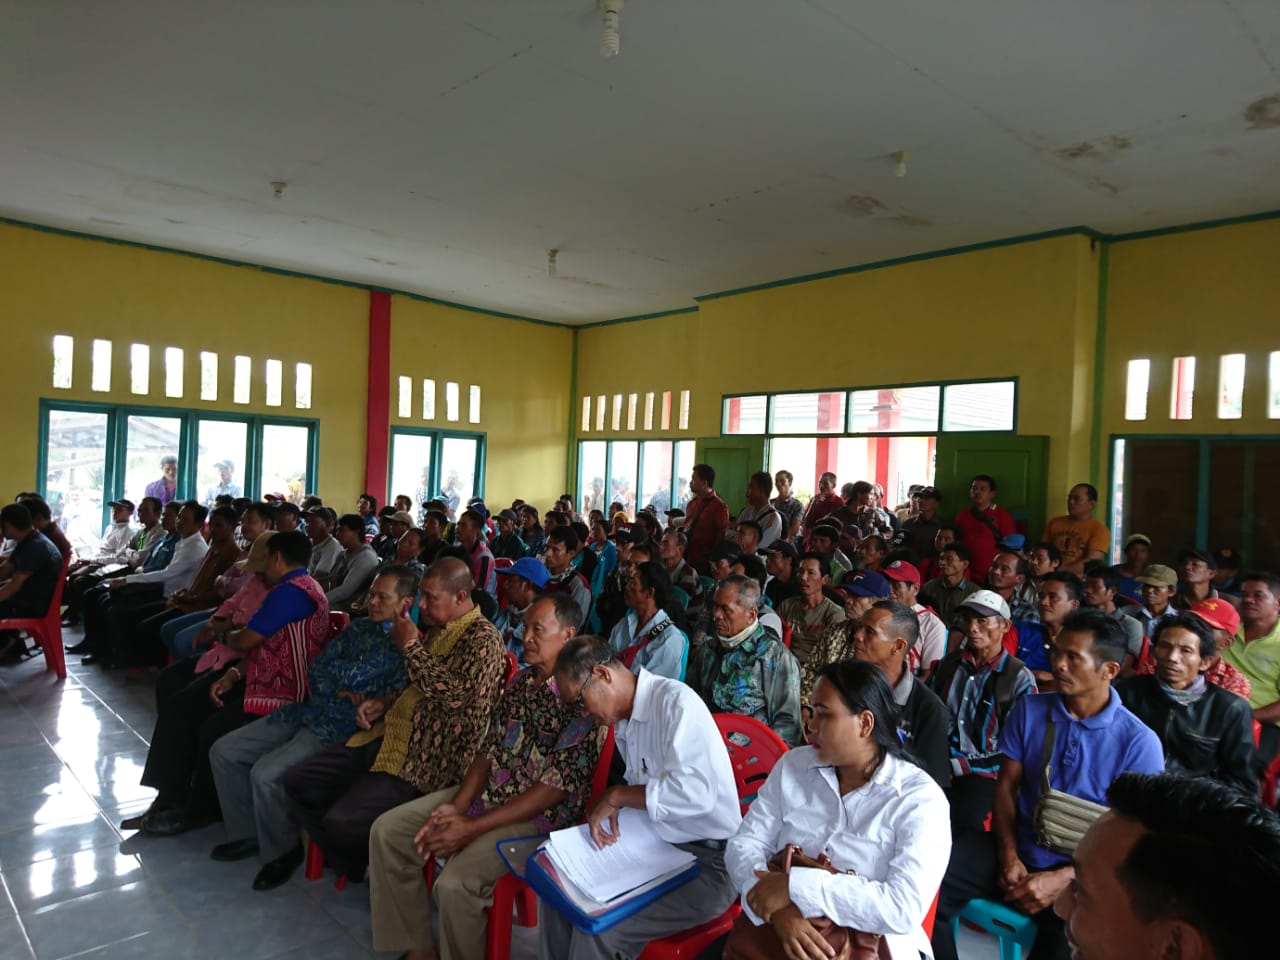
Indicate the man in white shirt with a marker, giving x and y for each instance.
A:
(677, 771)
(760, 510)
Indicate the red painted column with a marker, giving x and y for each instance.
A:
(828, 448)
(378, 416)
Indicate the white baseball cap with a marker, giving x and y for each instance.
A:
(986, 603)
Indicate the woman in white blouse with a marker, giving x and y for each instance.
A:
(854, 795)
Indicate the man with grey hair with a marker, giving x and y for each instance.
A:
(743, 668)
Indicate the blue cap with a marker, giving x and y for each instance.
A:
(529, 568)
(1013, 541)
(866, 583)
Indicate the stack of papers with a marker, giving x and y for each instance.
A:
(602, 875)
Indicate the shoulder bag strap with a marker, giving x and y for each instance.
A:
(1050, 741)
(983, 519)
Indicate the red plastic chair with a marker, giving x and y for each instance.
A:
(786, 634)
(753, 750)
(47, 630)
(338, 622)
(513, 667)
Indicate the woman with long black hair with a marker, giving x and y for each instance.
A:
(856, 796)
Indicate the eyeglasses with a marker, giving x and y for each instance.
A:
(592, 675)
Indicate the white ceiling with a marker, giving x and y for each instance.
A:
(443, 147)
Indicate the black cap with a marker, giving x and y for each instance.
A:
(785, 547)
(725, 550)
(929, 492)
(1191, 553)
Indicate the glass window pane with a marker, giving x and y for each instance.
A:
(666, 410)
(458, 470)
(622, 476)
(655, 480)
(220, 456)
(75, 473)
(685, 454)
(979, 406)
(275, 382)
(147, 441)
(895, 410)
(617, 412)
(139, 368)
(302, 386)
(173, 371)
(799, 455)
(591, 467)
(243, 376)
(1159, 501)
(1231, 386)
(586, 414)
(1182, 394)
(284, 460)
(208, 376)
(1273, 385)
(648, 410)
(428, 399)
(63, 354)
(100, 379)
(684, 409)
(808, 412)
(632, 401)
(404, 404)
(602, 410)
(1137, 379)
(473, 405)
(451, 401)
(411, 468)
(745, 415)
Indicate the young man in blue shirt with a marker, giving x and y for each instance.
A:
(1091, 739)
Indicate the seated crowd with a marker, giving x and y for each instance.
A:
(405, 690)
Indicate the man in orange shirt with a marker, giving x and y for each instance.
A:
(1078, 536)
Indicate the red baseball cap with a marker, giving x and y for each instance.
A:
(903, 571)
(1218, 614)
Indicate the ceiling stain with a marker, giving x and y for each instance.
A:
(1104, 149)
(1102, 186)
(912, 220)
(1264, 113)
(862, 206)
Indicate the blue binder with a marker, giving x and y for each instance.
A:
(538, 872)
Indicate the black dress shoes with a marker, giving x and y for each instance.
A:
(82, 647)
(279, 870)
(169, 823)
(235, 850)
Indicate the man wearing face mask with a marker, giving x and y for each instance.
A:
(743, 669)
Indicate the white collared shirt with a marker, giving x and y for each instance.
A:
(894, 830)
(673, 748)
(115, 542)
(178, 573)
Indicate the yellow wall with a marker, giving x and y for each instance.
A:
(1023, 310)
(1202, 293)
(524, 372)
(56, 284)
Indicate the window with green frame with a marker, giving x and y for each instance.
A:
(635, 473)
(92, 453)
(901, 409)
(436, 463)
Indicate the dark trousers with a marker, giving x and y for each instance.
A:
(972, 874)
(971, 798)
(187, 725)
(107, 611)
(137, 639)
(77, 586)
(335, 798)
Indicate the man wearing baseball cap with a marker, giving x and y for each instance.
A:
(931, 646)
(224, 487)
(521, 584)
(1158, 584)
(924, 525)
(979, 682)
(1196, 569)
(507, 544)
(1137, 553)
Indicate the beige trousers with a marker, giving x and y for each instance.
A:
(402, 910)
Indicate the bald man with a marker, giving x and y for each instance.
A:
(411, 743)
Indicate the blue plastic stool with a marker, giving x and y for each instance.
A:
(1015, 930)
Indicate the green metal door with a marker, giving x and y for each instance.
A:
(1018, 464)
(734, 459)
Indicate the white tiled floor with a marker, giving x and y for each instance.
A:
(71, 885)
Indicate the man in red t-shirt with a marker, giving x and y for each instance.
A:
(706, 518)
(983, 526)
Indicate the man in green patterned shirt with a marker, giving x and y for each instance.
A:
(531, 775)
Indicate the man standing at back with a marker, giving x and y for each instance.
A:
(706, 518)
(983, 526)
(1078, 536)
(760, 510)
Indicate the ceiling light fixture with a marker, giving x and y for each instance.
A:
(609, 34)
(551, 262)
(900, 163)
(277, 188)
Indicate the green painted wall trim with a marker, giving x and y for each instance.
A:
(910, 258)
(639, 316)
(1099, 361)
(789, 281)
(276, 271)
(571, 451)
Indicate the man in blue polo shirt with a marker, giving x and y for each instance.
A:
(1091, 739)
